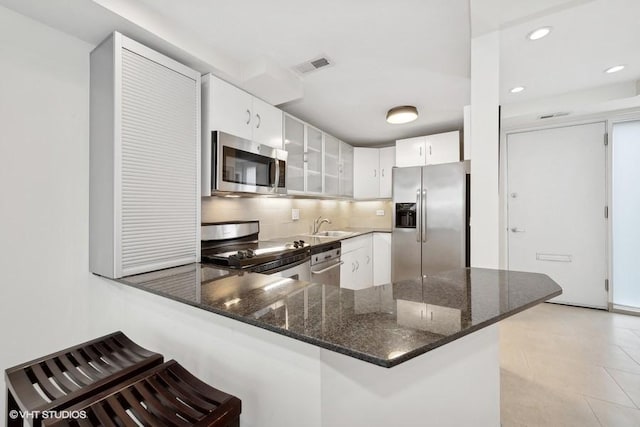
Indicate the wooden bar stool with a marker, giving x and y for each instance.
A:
(167, 395)
(59, 380)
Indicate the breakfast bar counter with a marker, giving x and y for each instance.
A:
(384, 325)
(387, 355)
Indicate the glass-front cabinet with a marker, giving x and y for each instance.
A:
(318, 163)
(346, 169)
(314, 160)
(294, 144)
(331, 165)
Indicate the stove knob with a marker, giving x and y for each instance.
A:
(241, 254)
(301, 243)
(250, 253)
(295, 244)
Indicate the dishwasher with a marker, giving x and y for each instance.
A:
(325, 264)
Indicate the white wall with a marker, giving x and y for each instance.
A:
(44, 189)
(48, 298)
(485, 205)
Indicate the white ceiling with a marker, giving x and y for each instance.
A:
(386, 53)
(413, 52)
(586, 39)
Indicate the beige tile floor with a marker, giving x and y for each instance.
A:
(569, 366)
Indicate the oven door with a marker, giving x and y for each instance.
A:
(327, 272)
(240, 165)
(297, 271)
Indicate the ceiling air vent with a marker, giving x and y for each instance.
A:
(551, 115)
(313, 65)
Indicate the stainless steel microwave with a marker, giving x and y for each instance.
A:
(233, 164)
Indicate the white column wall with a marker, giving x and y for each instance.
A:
(44, 190)
(485, 202)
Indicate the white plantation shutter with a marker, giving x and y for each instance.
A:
(159, 209)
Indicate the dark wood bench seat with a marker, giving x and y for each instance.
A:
(112, 381)
(167, 395)
(58, 380)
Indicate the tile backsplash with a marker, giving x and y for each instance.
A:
(274, 214)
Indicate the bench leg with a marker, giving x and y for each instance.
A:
(12, 405)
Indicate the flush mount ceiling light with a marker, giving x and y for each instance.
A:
(539, 33)
(403, 114)
(517, 89)
(614, 69)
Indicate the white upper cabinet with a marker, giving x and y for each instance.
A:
(266, 123)
(387, 162)
(144, 208)
(239, 113)
(366, 174)
(372, 172)
(443, 148)
(411, 152)
(428, 150)
(229, 108)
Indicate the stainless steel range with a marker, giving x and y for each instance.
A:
(235, 245)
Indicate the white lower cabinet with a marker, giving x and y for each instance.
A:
(367, 261)
(381, 258)
(357, 270)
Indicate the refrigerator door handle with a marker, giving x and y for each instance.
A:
(424, 215)
(419, 216)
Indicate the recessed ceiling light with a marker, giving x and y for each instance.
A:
(403, 114)
(517, 89)
(614, 69)
(539, 33)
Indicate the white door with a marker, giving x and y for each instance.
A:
(556, 198)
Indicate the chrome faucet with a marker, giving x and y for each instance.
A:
(318, 222)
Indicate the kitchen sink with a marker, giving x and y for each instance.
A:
(332, 233)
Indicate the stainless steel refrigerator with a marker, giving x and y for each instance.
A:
(430, 220)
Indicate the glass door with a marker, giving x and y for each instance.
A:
(625, 214)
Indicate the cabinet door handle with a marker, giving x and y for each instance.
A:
(383, 173)
(357, 265)
(353, 267)
(248, 116)
(430, 150)
(375, 173)
(368, 259)
(421, 151)
(259, 120)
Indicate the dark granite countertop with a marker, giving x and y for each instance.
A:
(385, 325)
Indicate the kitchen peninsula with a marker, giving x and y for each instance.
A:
(438, 337)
